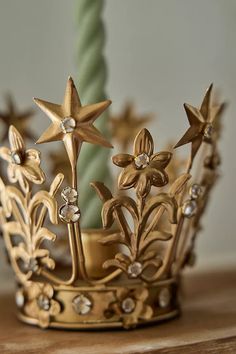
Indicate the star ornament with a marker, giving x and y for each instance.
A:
(126, 125)
(20, 120)
(72, 123)
(201, 123)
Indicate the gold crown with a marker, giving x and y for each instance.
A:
(128, 273)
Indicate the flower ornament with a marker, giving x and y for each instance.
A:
(143, 169)
(23, 165)
(40, 303)
(135, 268)
(131, 306)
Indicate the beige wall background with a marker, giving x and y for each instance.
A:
(160, 53)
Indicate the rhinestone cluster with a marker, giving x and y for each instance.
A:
(135, 269)
(68, 125)
(141, 161)
(128, 305)
(69, 212)
(20, 299)
(208, 131)
(189, 207)
(43, 302)
(32, 265)
(16, 157)
(164, 298)
(82, 304)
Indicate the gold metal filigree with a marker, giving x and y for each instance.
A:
(40, 303)
(81, 128)
(201, 123)
(131, 306)
(143, 169)
(23, 165)
(152, 230)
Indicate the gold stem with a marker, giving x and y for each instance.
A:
(123, 224)
(18, 217)
(76, 232)
(80, 251)
(186, 232)
(154, 222)
(141, 203)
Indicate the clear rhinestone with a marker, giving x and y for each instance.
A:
(164, 297)
(69, 213)
(68, 125)
(195, 191)
(82, 304)
(208, 131)
(20, 299)
(135, 269)
(43, 302)
(188, 208)
(16, 157)
(32, 265)
(69, 194)
(142, 160)
(128, 305)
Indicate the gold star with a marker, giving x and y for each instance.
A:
(126, 126)
(72, 123)
(201, 123)
(20, 120)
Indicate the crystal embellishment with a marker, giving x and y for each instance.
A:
(68, 125)
(135, 269)
(189, 208)
(208, 131)
(164, 298)
(43, 302)
(32, 265)
(70, 195)
(142, 160)
(16, 158)
(69, 213)
(82, 304)
(195, 191)
(128, 305)
(20, 299)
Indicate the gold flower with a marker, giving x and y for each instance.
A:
(143, 169)
(23, 165)
(130, 306)
(40, 303)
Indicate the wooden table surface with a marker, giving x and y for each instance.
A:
(207, 325)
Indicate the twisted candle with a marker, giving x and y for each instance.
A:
(91, 82)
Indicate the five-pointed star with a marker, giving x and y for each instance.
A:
(72, 123)
(20, 120)
(201, 121)
(126, 126)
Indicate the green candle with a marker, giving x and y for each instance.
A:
(91, 80)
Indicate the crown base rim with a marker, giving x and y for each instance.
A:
(174, 313)
(105, 306)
